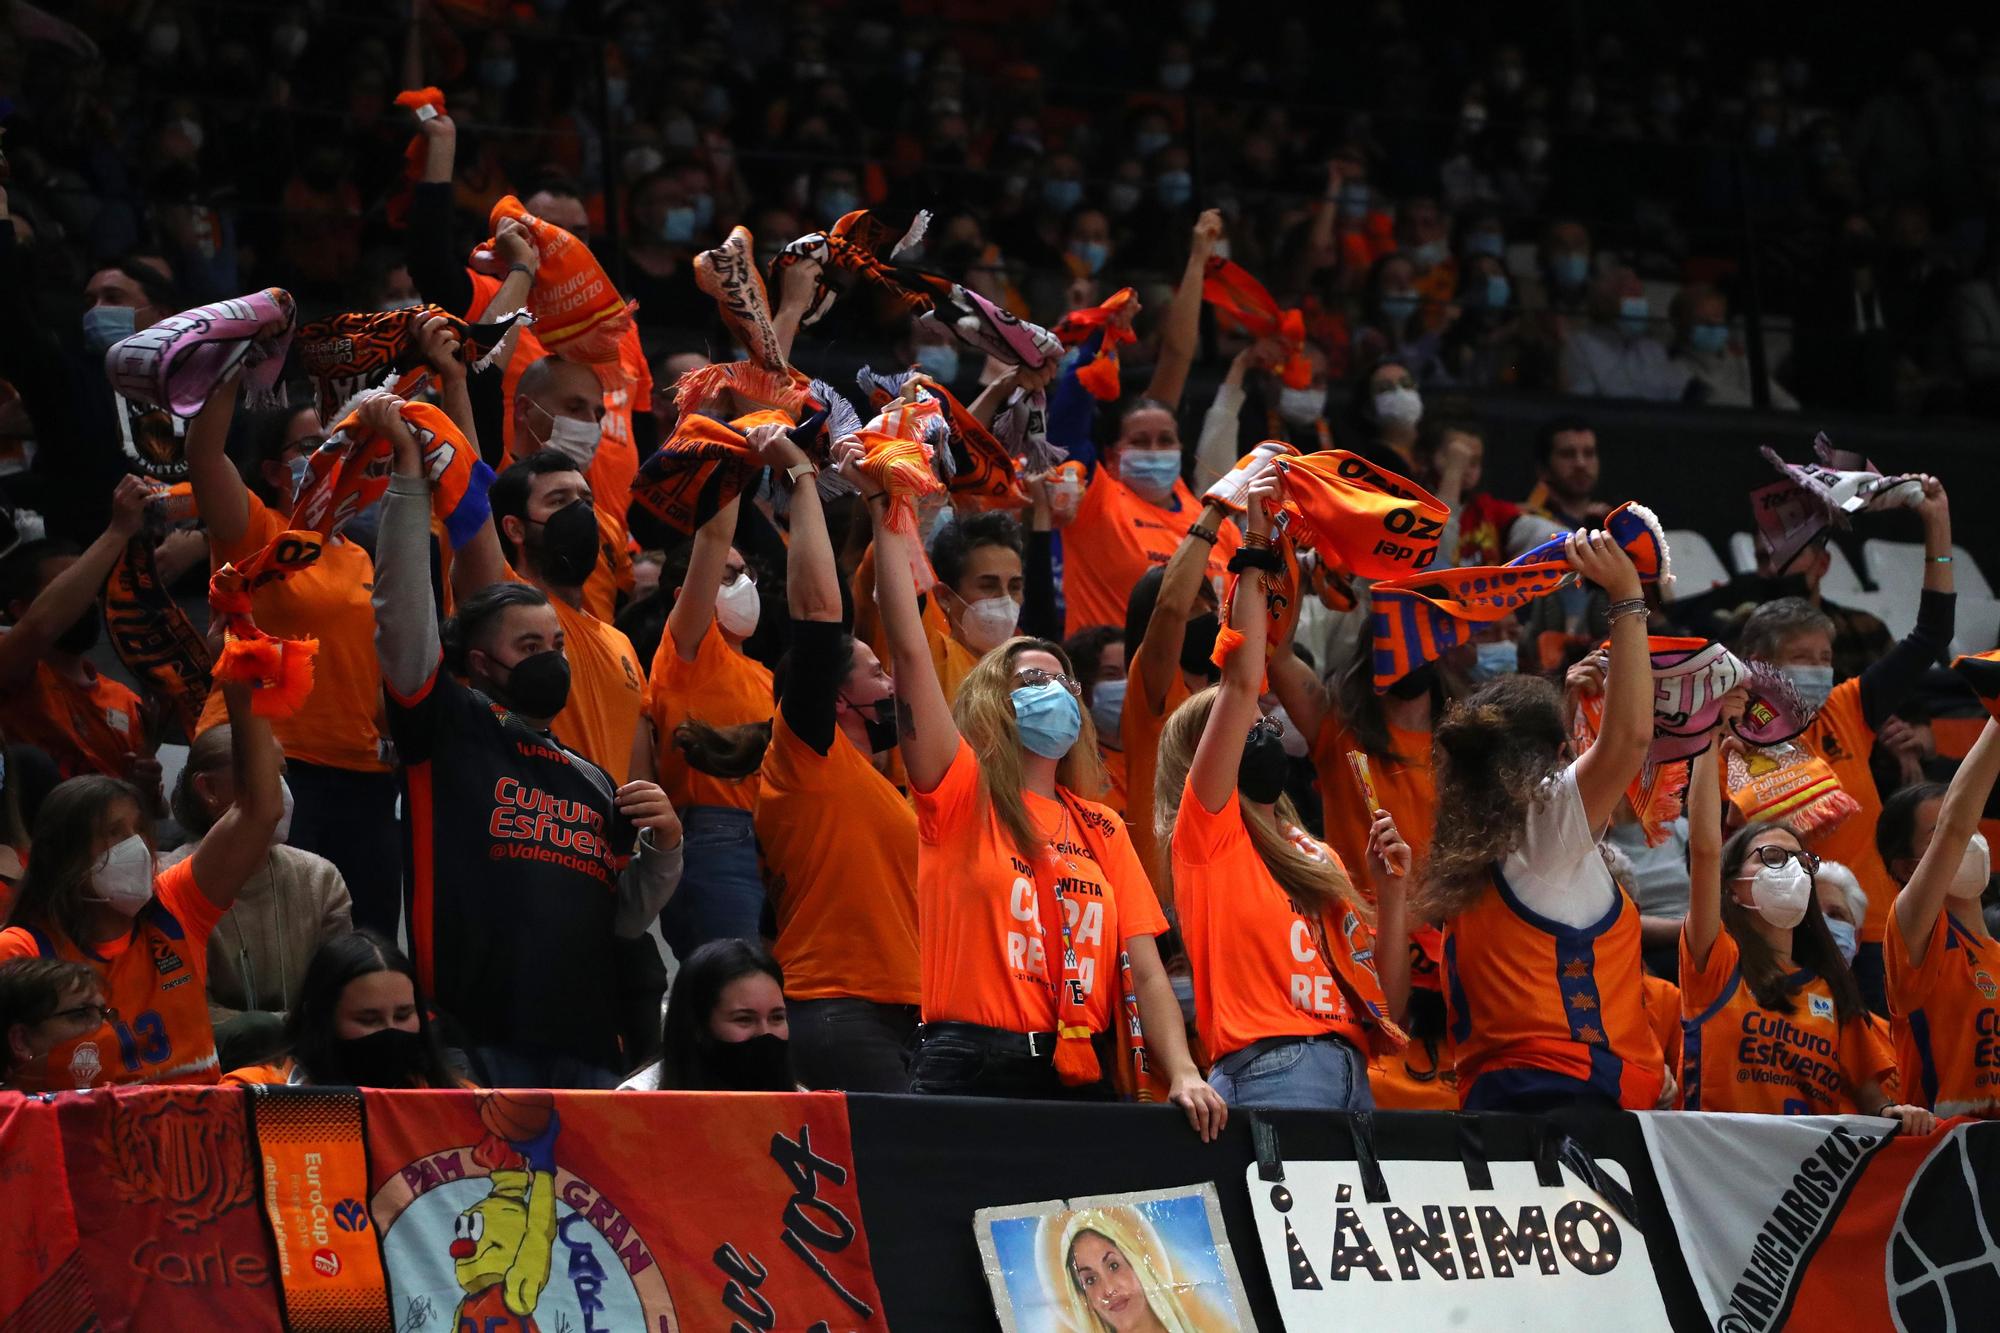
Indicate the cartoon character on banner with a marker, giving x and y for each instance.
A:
(534, 1247)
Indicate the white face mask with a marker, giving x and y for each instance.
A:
(989, 622)
(122, 879)
(1975, 867)
(1399, 407)
(737, 607)
(1780, 894)
(573, 439)
(1301, 407)
(284, 829)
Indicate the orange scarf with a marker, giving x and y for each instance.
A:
(578, 314)
(1242, 305)
(860, 247)
(148, 630)
(345, 354)
(704, 466)
(1376, 524)
(1114, 317)
(1982, 672)
(898, 462)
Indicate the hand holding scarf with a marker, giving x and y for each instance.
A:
(578, 314)
(1813, 499)
(1114, 317)
(1376, 523)
(345, 355)
(1789, 785)
(702, 467)
(977, 467)
(896, 460)
(177, 363)
(859, 247)
(1243, 306)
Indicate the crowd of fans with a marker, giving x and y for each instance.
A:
(1063, 815)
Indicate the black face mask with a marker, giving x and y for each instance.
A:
(1198, 645)
(385, 1058)
(761, 1064)
(1415, 685)
(879, 720)
(537, 685)
(80, 637)
(567, 550)
(1260, 774)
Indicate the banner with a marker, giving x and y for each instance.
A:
(1826, 1222)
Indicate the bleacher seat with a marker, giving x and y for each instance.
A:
(1840, 583)
(1697, 568)
(1898, 567)
(1978, 625)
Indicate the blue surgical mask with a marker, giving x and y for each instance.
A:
(497, 72)
(1174, 188)
(1634, 313)
(934, 521)
(1569, 270)
(1107, 709)
(939, 361)
(1844, 938)
(1062, 195)
(1709, 339)
(704, 209)
(1048, 718)
(299, 467)
(1148, 142)
(1499, 291)
(836, 202)
(1427, 255)
(1176, 75)
(1493, 660)
(1811, 683)
(678, 229)
(104, 325)
(1399, 306)
(1150, 472)
(1354, 200)
(1486, 243)
(1094, 254)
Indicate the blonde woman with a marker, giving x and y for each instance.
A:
(1031, 900)
(1287, 999)
(1115, 1276)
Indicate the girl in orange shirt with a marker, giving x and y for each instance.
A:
(1099, 654)
(1771, 1016)
(1032, 898)
(699, 674)
(1287, 999)
(1941, 959)
(91, 895)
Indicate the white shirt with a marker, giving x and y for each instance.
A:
(1556, 871)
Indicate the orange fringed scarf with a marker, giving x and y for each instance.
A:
(347, 473)
(578, 314)
(1242, 304)
(1100, 374)
(702, 467)
(1378, 525)
(898, 462)
(1790, 785)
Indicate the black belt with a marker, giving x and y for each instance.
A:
(1022, 1045)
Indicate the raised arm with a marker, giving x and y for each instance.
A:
(406, 627)
(1893, 677)
(1160, 651)
(427, 250)
(930, 735)
(1299, 689)
(1609, 766)
(73, 593)
(1220, 750)
(1216, 451)
(1918, 905)
(694, 606)
(240, 843)
(1389, 865)
(1182, 329)
(219, 493)
(1704, 810)
(794, 295)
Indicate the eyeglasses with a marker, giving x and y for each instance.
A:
(1037, 676)
(1775, 858)
(96, 1013)
(1264, 729)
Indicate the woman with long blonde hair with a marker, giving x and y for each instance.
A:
(1287, 999)
(1032, 905)
(1116, 1276)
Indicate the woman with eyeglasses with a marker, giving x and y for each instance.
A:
(1036, 922)
(45, 1003)
(1287, 998)
(1772, 1016)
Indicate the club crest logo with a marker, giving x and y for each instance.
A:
(170, 1148)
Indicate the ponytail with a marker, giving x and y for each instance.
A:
(729, 753)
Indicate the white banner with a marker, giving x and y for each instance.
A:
(1438, 1254)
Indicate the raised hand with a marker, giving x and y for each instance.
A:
(439, 343)
(128, 504)
(1599, 558)
(647, 807)
(1389, 857)
(514, 244)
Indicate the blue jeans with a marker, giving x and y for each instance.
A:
(721, 893)
(1309, 1073)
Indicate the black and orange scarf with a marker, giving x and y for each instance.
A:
(860, 247)
(344, 355)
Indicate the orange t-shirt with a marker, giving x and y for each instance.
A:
(82, 728)
(1739, 1056)
(156, 984)
(1663, 1010)
(613, 572)
(1840, 736)
(1115, 538)
(953, 660)
(1261, 966)
(988, 957)
(1423, 1076)
(1945, 1019)
(1139, 728)
(1114, 773)
(721, 687)
(840, 856)
(339, 724)
(607, 690)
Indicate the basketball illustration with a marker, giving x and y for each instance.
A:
(1943, 1264)
(516, 1116)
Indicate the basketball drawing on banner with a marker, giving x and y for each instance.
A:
(1154, 1260)
(525, 1244)
(1432, 1251)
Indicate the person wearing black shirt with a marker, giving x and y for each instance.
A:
(522, 855)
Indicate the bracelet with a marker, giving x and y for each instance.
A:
(1257, 557)
(1208, 535)
(1631, 606)
(1259, 539)
(521, 268)
(871, 499)
(1938, 559)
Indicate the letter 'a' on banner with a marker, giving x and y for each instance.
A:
(1438, 1253)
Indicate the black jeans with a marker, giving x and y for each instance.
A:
(349, 818)
(967, 1060)
(851, 1045)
